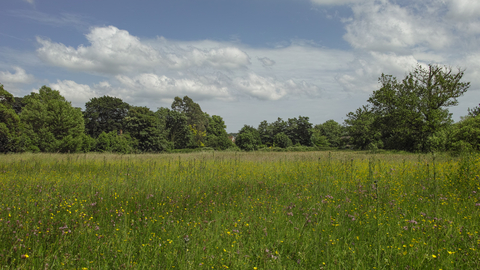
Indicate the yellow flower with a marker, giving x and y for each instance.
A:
(434, 256)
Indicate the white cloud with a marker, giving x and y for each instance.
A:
(19, 77)
(385, 26)
(115, 51)
(32, 2)
(464, 9)
(78, 94)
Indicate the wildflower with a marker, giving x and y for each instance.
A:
(434, 256)
(24, 256)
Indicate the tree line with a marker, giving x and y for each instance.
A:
(409, 115)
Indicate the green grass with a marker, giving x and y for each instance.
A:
(315, 210)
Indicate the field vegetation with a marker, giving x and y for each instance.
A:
(238, 210)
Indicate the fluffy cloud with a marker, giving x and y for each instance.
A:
(115, 51)
(78, 94)
(385, 26)
(19, 77)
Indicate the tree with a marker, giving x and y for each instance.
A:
(217, 136)
(104, 114)
(299, 130)
(409, 112)
(248, 138)
(333, 132)
(466, 134)
(141, 124)
(282, 140)
(9, 123)
(195, 117)
(360, 129)
(175, 125)
(51, 123)
(266, 132)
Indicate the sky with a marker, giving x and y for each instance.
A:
(247, 61)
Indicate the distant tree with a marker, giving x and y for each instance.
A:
(318, 139)
(333, 132)
(10, 126)
(195, 117)
(115, 143)
(299, 130)
(282, 140)
(104, 114)
(51, 123)
(175, 125)
(141, 124)
(360, 129)
(248, 138)
(217, 136)
(466, 134)
(266, 132)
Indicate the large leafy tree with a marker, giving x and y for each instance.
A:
(300, 130)
(104, 114)
(466, 134)
(9, 123)
(360, 129)
(175, 125)
(51, 123)
(333, 132)
(196, 119)
(217, 136)
(142, 125)
(248, 138)
(409, 113)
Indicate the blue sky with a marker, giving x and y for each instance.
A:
(246, 61)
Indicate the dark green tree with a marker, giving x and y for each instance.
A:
(142, 125)
(466, 135)
(248, 138)
(360, 129)
(217, 136)
(195, 117)
(104, 114)
(175, 125)
(10, 126)
(51, 123)
(282, 140)
(333, 131)
(266, 132)
(299, 130)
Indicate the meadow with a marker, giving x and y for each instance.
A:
(220, 210)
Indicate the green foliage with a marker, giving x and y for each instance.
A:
(282, 140)
(51, 123)
(248, 138)
(143, 126)
(104, 114)
(318, 139)
(466, 135)
(10, 126)
(411, 114)
(475, 111)
(332, 131)
(217, 136)
(175, 127)
(115, 143)
(195, 118)
(360, 129)
(299, 130)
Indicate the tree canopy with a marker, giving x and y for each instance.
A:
(51, 123)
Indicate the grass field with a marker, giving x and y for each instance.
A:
(318, 210)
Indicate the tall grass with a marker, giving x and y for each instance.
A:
(315, 210)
